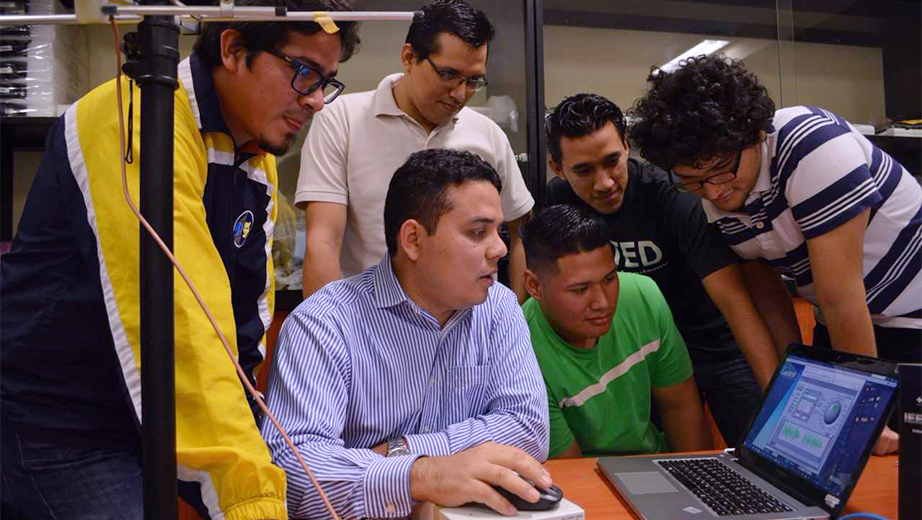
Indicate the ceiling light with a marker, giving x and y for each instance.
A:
(705, 47)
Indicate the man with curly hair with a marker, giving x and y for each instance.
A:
(665, 235)
(804, 193)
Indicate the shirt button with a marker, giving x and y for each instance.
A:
(425, 429)
(431, 380)
(390, 508)
(760, 225)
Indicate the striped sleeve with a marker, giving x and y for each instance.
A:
(218, 444)
(825, 173)
(308, 390)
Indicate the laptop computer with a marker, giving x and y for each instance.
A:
(800, 456)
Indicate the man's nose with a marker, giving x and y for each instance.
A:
(498, 248)
(313, 100)
(711, 191)
(459, 93)
(600, 300)
(604, 181)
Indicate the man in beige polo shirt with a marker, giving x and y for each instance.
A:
(355, 145)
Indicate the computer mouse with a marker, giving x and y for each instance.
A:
(550, 497)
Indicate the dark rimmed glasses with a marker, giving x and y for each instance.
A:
(307, 79)
(455, 80)
(685, 185)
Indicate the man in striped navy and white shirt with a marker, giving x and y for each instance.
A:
(804, 192)
(421, 355)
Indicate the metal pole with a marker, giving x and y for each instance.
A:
(157, 79)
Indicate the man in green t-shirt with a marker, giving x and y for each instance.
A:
(601, 367)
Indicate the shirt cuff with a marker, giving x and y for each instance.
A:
(429, 444)
(387, 487)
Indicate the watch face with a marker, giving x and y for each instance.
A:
(396, 447)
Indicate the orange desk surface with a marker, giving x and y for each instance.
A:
(583, 483)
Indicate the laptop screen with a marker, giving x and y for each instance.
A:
(818, 419)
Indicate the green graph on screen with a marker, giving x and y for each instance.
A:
(813, 441)
(790, 432)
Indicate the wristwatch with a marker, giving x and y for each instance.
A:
(397, 447)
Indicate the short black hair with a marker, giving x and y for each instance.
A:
(452, 16)
(561, 230)
(708, 107)
(578, 116)
(258, 37)
(419, 188)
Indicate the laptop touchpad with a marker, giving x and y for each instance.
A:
(646, 482)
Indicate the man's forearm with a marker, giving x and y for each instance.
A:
(756, 342)
(686, 428)
(850, 326)
(319, 269)
(517, 270)
(517, 259)
(773, 302)
(729, 293)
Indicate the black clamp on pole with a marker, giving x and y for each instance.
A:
(155, 72)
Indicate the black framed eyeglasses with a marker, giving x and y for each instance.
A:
(455, 80)
(306, 79)
(691, 185)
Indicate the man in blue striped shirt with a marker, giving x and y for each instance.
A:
(415, 380)
(803, 192)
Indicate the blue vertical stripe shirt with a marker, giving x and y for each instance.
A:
(359, 363)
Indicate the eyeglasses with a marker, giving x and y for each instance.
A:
(455, 80)
(307, 79)
(689, 185)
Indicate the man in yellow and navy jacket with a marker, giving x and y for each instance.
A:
(69, 332)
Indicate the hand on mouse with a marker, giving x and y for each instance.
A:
(468, 476)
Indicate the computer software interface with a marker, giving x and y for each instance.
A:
(818, 419)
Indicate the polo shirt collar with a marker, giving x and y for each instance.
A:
(385, 104)
(764, 182)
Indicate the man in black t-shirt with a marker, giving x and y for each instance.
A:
(664, 234)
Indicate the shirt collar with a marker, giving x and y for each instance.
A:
(387, 289)
(199, 85)
(764, 182)
(388, 293)
(386, 105)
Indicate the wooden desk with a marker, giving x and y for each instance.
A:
(583, 484)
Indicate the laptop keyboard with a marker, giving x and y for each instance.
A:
(725, 491)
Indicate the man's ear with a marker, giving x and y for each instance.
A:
(233, 54)
(409, 238)
(407, 57)
(555, 168)
(533, 284)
